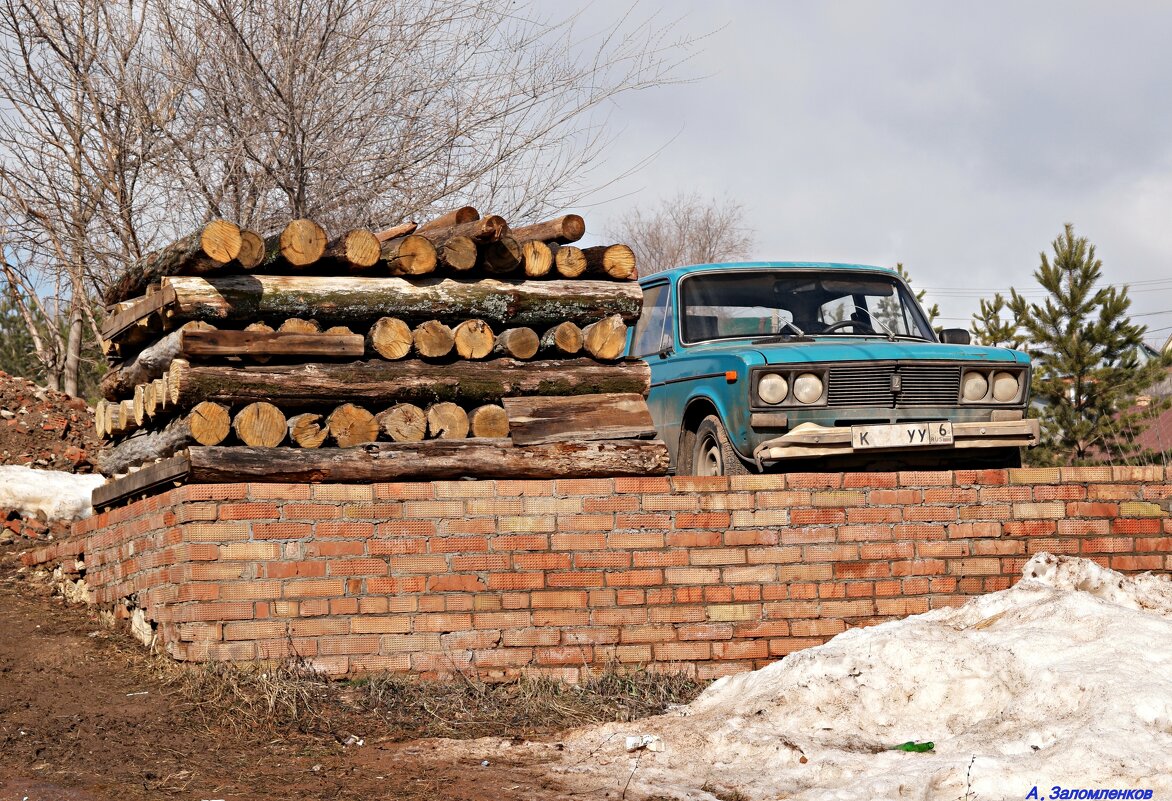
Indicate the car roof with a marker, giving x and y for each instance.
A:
(678, 272)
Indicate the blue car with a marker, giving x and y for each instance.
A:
(795, 365)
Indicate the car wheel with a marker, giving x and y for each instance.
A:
(712, 453)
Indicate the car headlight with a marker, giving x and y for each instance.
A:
(808, 388)
(772, 388)
(975, 386)
(1006, 386)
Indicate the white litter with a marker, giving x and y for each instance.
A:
(49, 494)
(639, 742)
(1060, 684)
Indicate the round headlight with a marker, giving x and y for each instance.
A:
(772, 388)
(808, 388)
(976, 386)
(1005, 387)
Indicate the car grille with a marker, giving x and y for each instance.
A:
(871, 385)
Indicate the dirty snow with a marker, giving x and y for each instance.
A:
(1064, 679)
(49, 494)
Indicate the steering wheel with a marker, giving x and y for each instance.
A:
(858, 325)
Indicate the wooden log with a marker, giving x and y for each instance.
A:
(464, 214)
(381, 383)
(296, 325)
(160, 385)
(517, 343)
(204, 251)
(568, 261)
(563, 230)
(137, 322)
(489, 421)
(252, 250)
(301, 243)
(487, 229)
(391, 338)
(606, 339)
(500, 257)
(307, 431)
(536, 420)
(433, 339)
(473, 339)
(358, 247)
(358, 300)
(149, 402)
(395, 231)
(260, 424)
(219, 344)
(616, 261)
(149, 364)
(351, 425)
(409, 255)
(404, 422)
(563, 339)
(456, 252)
(153, 478)
(431, 460)
(100, 419)
(446, 420)
(139, 405)
(536, 258)
(338, 331)
(259, 328)
(207, 424)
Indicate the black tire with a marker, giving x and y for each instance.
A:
(712, 453)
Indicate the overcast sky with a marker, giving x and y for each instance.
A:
(954, 137)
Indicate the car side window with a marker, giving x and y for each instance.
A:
(654, 327)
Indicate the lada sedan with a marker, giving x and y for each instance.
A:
(793, 365)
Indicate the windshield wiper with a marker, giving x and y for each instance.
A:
(798, 336)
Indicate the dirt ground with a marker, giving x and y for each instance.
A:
(85, 715)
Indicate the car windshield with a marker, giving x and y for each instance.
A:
(745, 303)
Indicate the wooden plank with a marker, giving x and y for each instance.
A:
(205, 344)
(535, 420)
(429, 460)
(141, 309)
(160, 475)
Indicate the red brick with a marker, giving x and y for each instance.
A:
(335, 548)
(349, 529)
(281, 531)
(574, 579)
(641, 486)
(520, 542)
(577, 542)
(455, 583)
(310, 511)
(516, 581)
(314, 588)
(405, 528)
(560, 599)
(358, 567)
(283, 492)
(1137, 563)
(404, 545)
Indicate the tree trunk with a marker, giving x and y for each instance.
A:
(352, 425)
(391, 338)
(537, 258)
(381, 383)
(433, 340)
(564, 339)
(517, 343)
(431, 460)
(360, 301)
(252, 250)
(300, 244)
(358, 247)
(465, 214)
(404, 422)
(409, 255)
(537, 420)
(207, 250)
(473, 339)
(307, 431)
(446, 420)
(208, 424)
(568, 260)
(260, 424)
(616, 261)
(489, 421)
(562, 230)
(606, 339)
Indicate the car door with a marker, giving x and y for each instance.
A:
(653, 341)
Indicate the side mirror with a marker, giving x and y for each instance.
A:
(955, 336)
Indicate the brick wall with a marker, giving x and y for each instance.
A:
(707, 575)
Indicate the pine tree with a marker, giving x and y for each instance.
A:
(933, 311)
(990, 328)
(1088, 357)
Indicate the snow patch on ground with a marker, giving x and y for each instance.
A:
(49, 494)
(1064, 679)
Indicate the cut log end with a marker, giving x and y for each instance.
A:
(260, 424)
(409, 255)
(606, 339)
(307, 430)
(433, 339)
(473, 339)
(302, 242)
(565, 339)
(220, 240)
(457, 253)
(352, 425)
(500, 257)
(517, 343)
(359, 247)
(391, 338)
(446, 421)
(296, 325)
(537, 258)
(489, 421)
(569, 261)
(404, 422)
(252, 250)
(210, 423)
(616, 261)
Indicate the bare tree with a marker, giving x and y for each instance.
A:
(685, 229)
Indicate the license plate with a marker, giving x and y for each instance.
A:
(901, 435)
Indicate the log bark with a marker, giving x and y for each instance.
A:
(301, 243)
(464, 214)
(358, 247)
(252, 250)
(208, 424)
(409, 255)
(486, 229)
(537, 420)
(564, 339)
(307, 431)
(615, 261)
(352, 425)
(606, 339)
(431, 460)
(473, 339)
(381, 383)
(361, 301)
(568, 260)
(433, 339)
(537, 258)
(489, 421)
(296, 325)
(260, 328)
(260, 424)
(149, 364)
(457, 253)
(562, 230)
(517, 343)
(500, 257)
(446, 420)
(395, 231)
(207, 250)
(220, 344)
(404, 422)
(391, 338)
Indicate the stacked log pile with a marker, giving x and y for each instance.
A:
(456, 347)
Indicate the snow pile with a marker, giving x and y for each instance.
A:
(46, 493)
(1064, 679)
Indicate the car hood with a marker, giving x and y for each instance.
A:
(851, 349)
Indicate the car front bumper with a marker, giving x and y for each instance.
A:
(811, 439)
